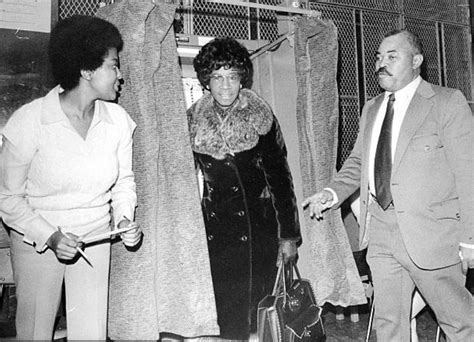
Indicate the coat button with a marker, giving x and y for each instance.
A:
(235, 188)
(427, 148)
(207, 165)
(210, 237)
(227, 163)
(212, 214)
(241, 213)
(210, 189)
(244, 238)
(458, 216)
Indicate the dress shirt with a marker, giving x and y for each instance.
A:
(53, 177)
(402, 100)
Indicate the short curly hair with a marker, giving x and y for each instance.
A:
(223, 52)
(80, 43)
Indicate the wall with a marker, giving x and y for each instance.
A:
(24, 71)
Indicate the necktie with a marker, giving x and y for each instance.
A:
(383, 158)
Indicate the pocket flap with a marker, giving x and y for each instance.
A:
(446, 209)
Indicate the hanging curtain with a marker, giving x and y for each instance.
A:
(325, 255)
(165, 285)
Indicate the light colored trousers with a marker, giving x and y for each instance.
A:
(39, 278)
(395, 276)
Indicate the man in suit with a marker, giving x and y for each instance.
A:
(413, 163)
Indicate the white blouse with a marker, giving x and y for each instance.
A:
(51, 177)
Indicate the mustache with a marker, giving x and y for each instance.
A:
(383, 71)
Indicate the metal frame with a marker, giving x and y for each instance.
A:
(361, 24)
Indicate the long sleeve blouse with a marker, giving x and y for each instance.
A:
(51, 176)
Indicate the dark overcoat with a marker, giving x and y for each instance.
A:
(248, 203)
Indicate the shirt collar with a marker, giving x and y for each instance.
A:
(406, 92)
(51, 110)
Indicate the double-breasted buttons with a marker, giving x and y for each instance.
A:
(208, 165)
(210, 189)
(212, 214)
(458, 216)
(210, 237)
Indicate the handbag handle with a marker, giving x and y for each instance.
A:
(281, 276)
(294, 267)
(280, 280)
(277, 280)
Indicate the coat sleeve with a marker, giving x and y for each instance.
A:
(280, 183)
(348, 179)
(458, 138)
(123, 193)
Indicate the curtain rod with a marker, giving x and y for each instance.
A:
(268, 7)
(269, 46)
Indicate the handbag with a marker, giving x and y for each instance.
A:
(290, 313)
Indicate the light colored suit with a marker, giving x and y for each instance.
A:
(432, 175)
(432, 184)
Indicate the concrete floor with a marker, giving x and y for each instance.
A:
(336, 330)
(347, 331)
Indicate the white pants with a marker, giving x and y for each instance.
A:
(39, 278)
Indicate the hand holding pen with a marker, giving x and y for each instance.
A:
(65, 246)
(133, 234)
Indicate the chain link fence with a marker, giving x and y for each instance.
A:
(442, 25)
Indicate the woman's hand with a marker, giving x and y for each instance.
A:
(63, 245)
(288, 251)
(131, 237)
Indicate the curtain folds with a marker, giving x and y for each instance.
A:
(165, 285)
(325, 256)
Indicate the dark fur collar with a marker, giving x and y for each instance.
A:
(216, 132)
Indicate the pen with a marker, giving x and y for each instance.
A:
(106, 235)
(81, 252)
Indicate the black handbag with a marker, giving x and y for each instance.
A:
(290, 313)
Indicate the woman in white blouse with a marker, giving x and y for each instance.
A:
(66, 162)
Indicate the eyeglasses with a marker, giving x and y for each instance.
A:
(219, 79)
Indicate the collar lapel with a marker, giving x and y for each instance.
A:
(371, 115)
(417, 111)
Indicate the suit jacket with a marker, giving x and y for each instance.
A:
(432, 175)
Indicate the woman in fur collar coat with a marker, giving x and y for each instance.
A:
(249, 205)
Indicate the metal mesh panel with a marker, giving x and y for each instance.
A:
(389, 6)
(455, 11)
(457, 58)
(427, 31)
(267, 21)
(348, 127)
(208, 19)
(213, 19)
(376, 17)
(180, 18)
(68, 8)
(374, 26)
